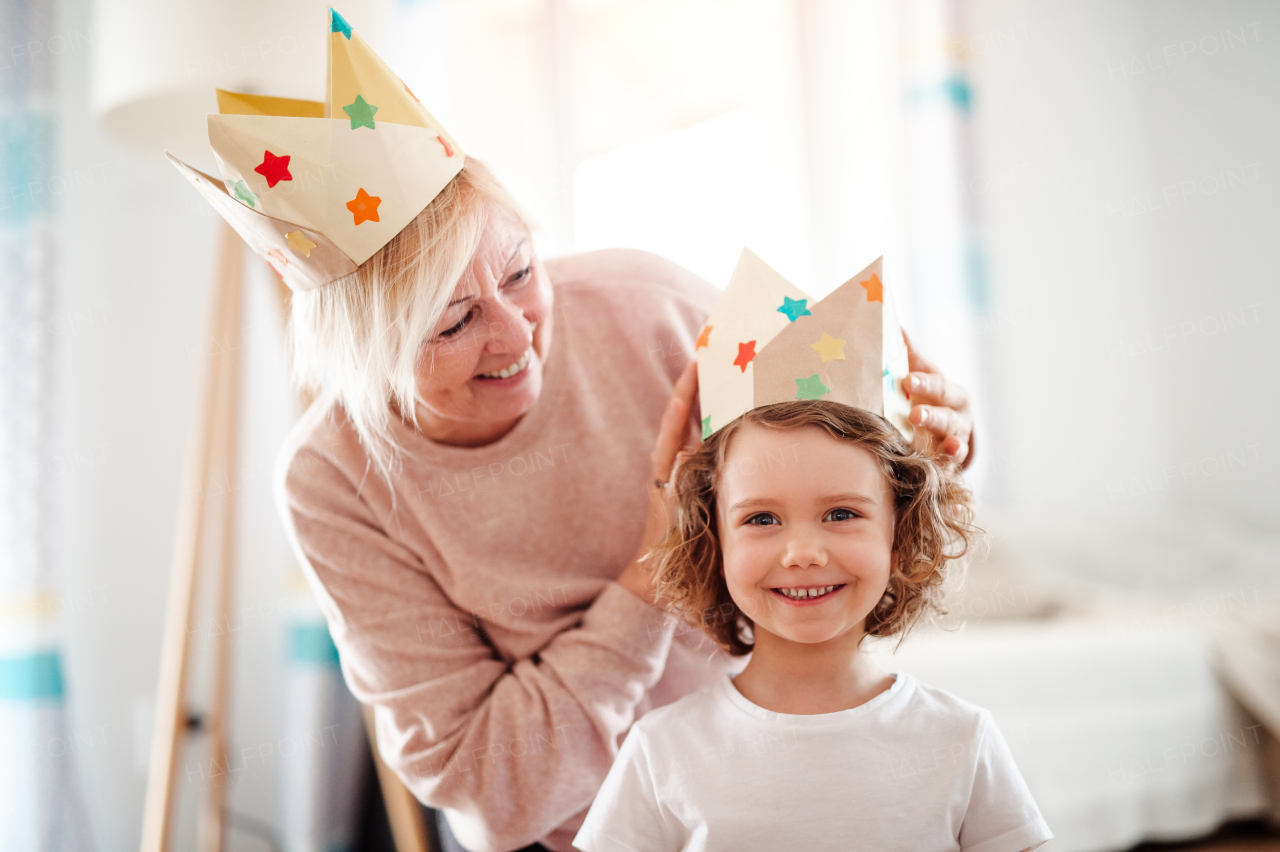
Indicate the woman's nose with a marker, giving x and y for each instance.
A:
(509, 331)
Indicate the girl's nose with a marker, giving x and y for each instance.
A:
(804, 550)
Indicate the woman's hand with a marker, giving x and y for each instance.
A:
(677, 434)
(939, 407)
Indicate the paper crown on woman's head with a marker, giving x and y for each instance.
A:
(767, 342)
(317, 188)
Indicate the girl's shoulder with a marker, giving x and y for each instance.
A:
(933, 708)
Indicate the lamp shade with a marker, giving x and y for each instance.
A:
(157, 62)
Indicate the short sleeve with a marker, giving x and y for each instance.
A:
(625, 816)
(1002, 816)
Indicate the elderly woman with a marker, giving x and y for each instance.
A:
(474, 489)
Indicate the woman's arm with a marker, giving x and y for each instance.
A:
(515, 747)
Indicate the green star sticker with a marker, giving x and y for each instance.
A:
(361, 113)
(706, 427)
(810, 388)
(241, 192)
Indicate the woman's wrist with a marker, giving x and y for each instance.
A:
(635, 579)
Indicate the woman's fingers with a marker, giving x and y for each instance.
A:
(673, 432)
(947, 425)
(933, 389)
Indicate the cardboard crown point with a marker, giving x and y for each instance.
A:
(767, 342)
(347, 175)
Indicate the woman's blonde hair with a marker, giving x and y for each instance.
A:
(932, 524)
(357, 340)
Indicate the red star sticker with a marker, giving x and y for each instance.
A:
(410, 91)
(702, 338)
(448, 152)
(274, 169)
(364, 206)
(746, 353)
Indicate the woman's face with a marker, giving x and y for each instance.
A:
(800, 510)
(481, 370)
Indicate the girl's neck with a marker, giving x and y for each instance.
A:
(804, 680)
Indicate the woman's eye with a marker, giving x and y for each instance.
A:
(761, 520)
(462, 323)
(842, 515)
(521, 275)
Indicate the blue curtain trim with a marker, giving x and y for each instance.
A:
(34, 677)
(311, 645)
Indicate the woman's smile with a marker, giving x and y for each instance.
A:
(509, 374)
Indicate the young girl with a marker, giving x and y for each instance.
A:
(800, 529)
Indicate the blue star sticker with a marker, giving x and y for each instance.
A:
(794, 308)
(811, 388)
(338, 24)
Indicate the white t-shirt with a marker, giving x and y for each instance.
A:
(915, 768)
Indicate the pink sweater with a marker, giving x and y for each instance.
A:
(479, 616)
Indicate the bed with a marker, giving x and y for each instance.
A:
(1102, 662)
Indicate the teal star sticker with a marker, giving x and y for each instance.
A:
(706, 427)
(794, 308)
(361, 113)
(240, 191)
(811, 388)
(338, 24)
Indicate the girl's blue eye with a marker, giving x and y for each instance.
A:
(462, 323)
(762, 520)
(842, 515)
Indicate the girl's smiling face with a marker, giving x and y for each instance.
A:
(799, 510)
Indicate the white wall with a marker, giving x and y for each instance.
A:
(1100, 412)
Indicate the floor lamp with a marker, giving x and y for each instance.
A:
(212, 458)
(157, 98)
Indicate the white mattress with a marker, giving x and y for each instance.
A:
(1122, 735)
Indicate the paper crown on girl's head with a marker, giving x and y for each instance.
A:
(317, 188)
(767, 342)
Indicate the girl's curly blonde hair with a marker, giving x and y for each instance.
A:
(933, 516)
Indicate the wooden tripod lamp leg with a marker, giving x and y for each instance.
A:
(403, 811)
(212, 824)
(171, 713)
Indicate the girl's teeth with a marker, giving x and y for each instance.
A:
(803, 594)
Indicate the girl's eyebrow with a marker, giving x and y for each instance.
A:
(514, 252)
(835, 498)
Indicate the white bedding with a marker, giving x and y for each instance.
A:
(1123, 735)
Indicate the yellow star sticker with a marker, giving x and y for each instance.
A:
(830, 348)
(298, 242)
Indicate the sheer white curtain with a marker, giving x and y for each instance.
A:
(40, 804)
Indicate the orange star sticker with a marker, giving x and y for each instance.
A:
(875, 290)
(746, 353)
(364, 206)
(702, 338)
